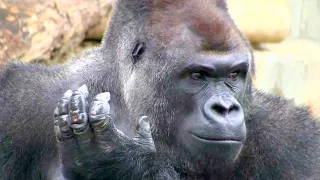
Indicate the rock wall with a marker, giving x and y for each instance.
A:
(45, 29)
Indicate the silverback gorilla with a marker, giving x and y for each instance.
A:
(167, 95)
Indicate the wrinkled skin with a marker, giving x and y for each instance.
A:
(167, 95)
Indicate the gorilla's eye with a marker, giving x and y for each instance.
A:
(233, 75)
(198, 75)
(137, 52)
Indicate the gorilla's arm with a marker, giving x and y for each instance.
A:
(91, 147)
(129, 161)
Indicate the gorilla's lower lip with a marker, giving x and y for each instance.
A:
(215, 139)
(224, 149)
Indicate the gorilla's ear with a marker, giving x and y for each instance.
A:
(137, 52)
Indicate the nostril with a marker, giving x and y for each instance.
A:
(222, 110)
(219, 109)
(233, 108)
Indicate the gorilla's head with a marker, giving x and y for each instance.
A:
(185, 64)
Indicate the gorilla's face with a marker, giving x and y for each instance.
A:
(194, 100)
(215, 127)
(191, 77)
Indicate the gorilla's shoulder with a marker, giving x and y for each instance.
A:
(280, 120)
(18, 72)
(286, 134)
(277, 107)
(283, 115)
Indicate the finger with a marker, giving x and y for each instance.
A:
(63, 104)
(104, 129)
(56, 125)
(65, 130)
(143, 128)
(78, 120)
(99, 110)
(62, 130)
(144, 135)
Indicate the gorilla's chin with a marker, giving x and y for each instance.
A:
(225, 150)
(203, 149)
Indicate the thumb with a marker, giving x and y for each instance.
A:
(144, 135)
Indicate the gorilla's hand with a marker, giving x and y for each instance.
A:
(82, 134)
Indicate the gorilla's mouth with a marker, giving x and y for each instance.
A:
(222, 148)
(217, 139)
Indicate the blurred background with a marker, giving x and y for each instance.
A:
(285, 35)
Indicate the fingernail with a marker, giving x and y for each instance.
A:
(103, 96)
(68, 93)
(84, 90)
(107, 95)
(144, 118)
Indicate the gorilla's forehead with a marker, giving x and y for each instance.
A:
(205, 24)
(202, 26)
(165, 3)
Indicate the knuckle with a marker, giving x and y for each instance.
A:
(62, 136)
(78, 103)
(77, 117)
(63, 123)
(100, 123)
(63, 106)
(79, 126)
(63, 120)
(97, 108)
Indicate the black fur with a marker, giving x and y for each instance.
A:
(283, 141)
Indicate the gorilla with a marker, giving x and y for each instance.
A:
(167, 95)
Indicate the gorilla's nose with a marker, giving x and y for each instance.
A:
(224, 108)
(221, 109)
